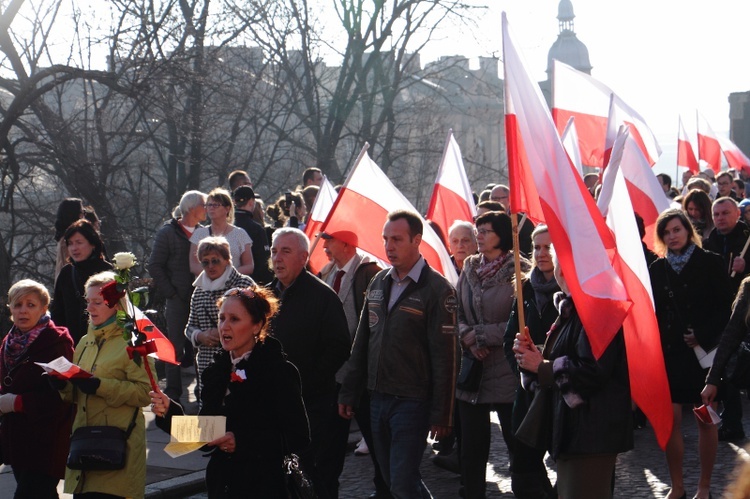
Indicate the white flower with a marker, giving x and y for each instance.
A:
(124, 261)
(241, 373)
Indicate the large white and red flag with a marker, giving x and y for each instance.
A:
(622, 114)
(685, 154)
(648, 378)
(709, 149)
(162, 348)
(545, 186)
(318, 214)
(451, 197)
(362, 207)
(569, 140)
(736, 159)
(646, 195)
(578, 94)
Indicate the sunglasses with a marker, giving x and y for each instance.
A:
(247, 293)
(213, 261)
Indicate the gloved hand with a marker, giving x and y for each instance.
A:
(7, 403)
(86, 385)
(56, 383)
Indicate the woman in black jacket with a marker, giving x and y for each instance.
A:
(258, 391)
(692, 298)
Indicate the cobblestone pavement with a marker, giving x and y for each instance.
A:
(641, 473)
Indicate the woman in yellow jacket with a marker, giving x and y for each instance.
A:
(113, 397)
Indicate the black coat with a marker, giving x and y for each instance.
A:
(169, 264)
(266, 414)
(260, 249)
(701, 300)
(729, 247)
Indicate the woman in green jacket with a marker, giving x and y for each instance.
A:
(113, 397)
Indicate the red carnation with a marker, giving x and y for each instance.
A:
(111, 294)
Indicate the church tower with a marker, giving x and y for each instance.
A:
(568, 48)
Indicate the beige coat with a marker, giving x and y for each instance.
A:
(124, 387)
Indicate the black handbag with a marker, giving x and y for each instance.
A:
(737, 372)
(470, 375)
(298, 484)
(99, 448)
(536, 428)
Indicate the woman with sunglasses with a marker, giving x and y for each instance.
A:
(251, 383)
(218, 275)
(220, 210)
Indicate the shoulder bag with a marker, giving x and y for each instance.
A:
(98, 448)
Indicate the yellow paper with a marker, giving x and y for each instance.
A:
(190, 433)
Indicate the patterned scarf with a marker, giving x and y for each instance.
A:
(678, 262)
(486, 269)
(17, 343)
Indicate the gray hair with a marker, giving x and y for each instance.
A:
(304, 242)
(462, 224)
(188, 201)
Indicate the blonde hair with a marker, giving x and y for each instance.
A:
(25, 287)
(103, 278)
(222, 195)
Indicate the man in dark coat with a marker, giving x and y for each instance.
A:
(311, 326)
(244, 204)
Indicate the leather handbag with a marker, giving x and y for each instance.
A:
(298, 484)
(470, 375)
(99, 448)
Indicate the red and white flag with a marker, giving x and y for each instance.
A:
(736, 159)
(451, 197)
(569, 140)
(318, 214)
(164, 348)
(545, 186)
(362, 207)
(685, 154)
(622, 114)
(575, 93)
(648, 378)
(709, 149)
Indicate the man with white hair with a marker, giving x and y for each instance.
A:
(312, 328)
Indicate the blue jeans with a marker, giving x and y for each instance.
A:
(399, 434)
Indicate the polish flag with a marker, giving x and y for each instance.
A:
(685, 154)
(575, 93)
(569, 140)
(164, 348)
(622, 114)
(451, 197)
(362, 207)
(649, 387)
(646, 195)
(736, 159)
(545, 185)
(709, 149)
(318, 214)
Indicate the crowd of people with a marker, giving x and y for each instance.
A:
(290, 357)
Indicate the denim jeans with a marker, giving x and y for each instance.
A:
(399, 434)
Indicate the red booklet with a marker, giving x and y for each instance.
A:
(63, 368)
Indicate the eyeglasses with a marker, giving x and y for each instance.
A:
(483, 232)
(213, 261)
(213, 205)
(247, 292)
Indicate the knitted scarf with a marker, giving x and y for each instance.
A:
(543, 289)
(17, 343)
(678, 262)
(487, 270)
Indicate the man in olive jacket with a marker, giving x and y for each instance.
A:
(405, 353)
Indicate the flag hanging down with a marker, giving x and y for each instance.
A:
(164, 348)
(575, 93)
(362, 207)
(709, 149)
(648, 378)
(451, 197)
(685, 154)
(318, 213)
(646, 195)
(569, 139)
(546, 187)
(622, 114)
(736, 159)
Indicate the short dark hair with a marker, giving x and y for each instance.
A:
(234, 179)
(665, 179)
(501, 225)
(309, 174)
(69, 210)
(87, 230)
(414, 221)
(492, 205)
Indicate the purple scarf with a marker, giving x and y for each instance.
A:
(17, 343)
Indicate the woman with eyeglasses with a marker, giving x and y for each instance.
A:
(251, 383)
(485, 299)
(220, 210)
(218, 275)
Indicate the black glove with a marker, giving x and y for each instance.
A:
(87, 385)
(56, 383)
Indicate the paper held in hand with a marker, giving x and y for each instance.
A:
(63, 368)
(190, 433)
